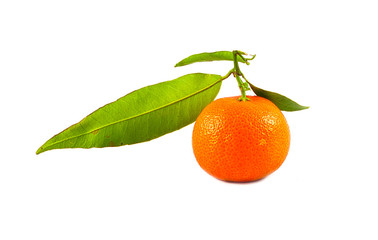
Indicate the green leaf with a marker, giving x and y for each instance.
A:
(282, 102)
(142, 115)
(207, 57)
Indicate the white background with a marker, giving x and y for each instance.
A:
(61, 60)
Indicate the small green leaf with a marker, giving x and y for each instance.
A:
(282, 102)
(142, 115)
(246, 86)
(208, 57)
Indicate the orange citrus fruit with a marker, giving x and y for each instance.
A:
(241, 141)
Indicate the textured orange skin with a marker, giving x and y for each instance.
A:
(241, 141)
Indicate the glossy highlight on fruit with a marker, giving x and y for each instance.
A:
(241, 141)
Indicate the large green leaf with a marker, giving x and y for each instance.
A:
(207, 57)
(142, 115)
(282, 102)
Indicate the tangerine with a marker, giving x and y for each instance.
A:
(241, 141)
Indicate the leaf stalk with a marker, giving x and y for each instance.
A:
(237, 73)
